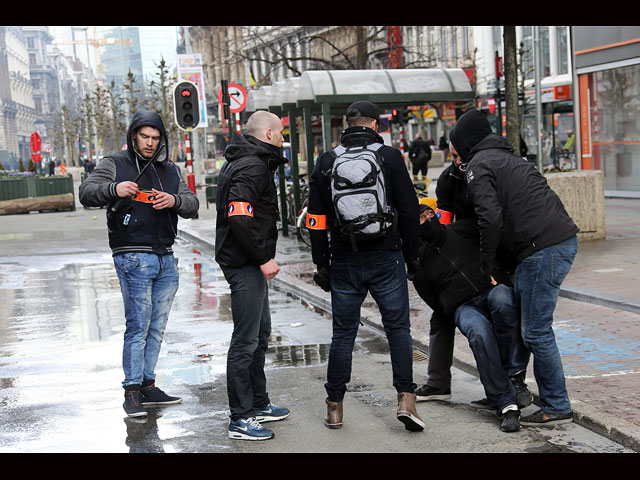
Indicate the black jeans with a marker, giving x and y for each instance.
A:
(246, 381)
(441, 341)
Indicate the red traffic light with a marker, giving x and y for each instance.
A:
(186, 93)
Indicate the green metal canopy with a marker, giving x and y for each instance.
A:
(394, 87)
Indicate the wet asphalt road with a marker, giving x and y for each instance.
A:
(61, 327)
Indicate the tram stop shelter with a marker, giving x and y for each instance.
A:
(328, 93)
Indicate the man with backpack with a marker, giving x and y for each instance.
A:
(361, 194)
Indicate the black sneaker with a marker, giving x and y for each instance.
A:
(133, 404)
(510, 421)
(153, 396)
(483, 404)
(541, 419)
(427, 393)
(524, 397)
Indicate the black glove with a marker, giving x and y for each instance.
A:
(321, 278)
(413, 266)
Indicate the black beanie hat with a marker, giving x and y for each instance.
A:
(470, 129)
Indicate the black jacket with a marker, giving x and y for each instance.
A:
(420, 151)
(247, 176)
(400, 196)
(136, 226)
(450, 266)
(451, 194)
(513, 202)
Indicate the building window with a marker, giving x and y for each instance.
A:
(466, 47)
(614, 126)
(561, 49)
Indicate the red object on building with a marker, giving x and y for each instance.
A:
(562, 92)
(499, 67)
(394, 47)
(36, 145)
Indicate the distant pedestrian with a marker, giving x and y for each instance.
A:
(142, 220)
(246, 237)
(89, 166)
(519, 214)
(349, 267)
(444, 146)
(419, 154)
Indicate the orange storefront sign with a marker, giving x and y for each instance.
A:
(585, 121)
(562, 92)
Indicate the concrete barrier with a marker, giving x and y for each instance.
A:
(582, 192)
(437, 158)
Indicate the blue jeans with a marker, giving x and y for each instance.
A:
(383, 275)
(246, 381)
(537, 286)
(491, 323)
(149, 283)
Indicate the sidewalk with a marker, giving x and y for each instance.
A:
(597, 320)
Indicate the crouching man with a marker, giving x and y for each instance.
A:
(451, 282)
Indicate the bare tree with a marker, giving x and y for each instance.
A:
(511, 87)
(114, 102)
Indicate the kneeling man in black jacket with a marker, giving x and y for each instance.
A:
(451, 282)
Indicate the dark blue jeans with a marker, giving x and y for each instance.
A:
(383, 275)
(491, 323)
(537, 286)
(149, 283)
(246, 381)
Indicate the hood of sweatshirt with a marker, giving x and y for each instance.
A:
(148, 118)
(247, 145)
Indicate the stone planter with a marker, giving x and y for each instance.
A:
(582, 192)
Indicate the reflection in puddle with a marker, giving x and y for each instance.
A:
(298, 355)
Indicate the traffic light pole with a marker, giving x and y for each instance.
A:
(191, 178)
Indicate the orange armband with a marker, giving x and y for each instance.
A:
(146, 196)
(445, 217)
(240, 208)
(316, 222)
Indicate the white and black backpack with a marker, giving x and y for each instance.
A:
(358, 193)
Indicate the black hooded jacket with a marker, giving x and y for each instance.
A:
(247, 177)
(514, 204)
(450, 266)
(136, 226)
(400, 195)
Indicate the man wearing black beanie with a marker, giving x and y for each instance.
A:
(520, 215)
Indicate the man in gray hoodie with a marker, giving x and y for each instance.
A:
(144, 194)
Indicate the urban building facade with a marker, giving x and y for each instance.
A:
(17, 111)
(607, 62)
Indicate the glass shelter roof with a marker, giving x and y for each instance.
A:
(342, 87)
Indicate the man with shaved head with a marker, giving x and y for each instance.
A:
(246, 235)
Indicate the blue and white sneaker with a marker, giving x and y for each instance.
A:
(271, 413)
(248, 429)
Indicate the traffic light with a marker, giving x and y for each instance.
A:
(186, 105)
(399, 116)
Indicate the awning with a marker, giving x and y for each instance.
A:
(396, 87)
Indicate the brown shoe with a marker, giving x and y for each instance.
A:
(334, 414)
(407, 412)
